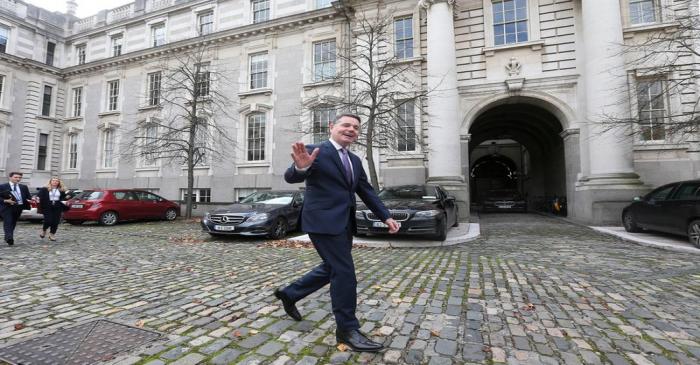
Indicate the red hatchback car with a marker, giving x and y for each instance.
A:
(109, 206)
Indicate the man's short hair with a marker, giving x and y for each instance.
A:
(13, 173)
(353, 116)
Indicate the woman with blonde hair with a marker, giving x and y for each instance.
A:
(51, 198)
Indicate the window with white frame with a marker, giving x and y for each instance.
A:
(651, 101)
(154, 88)
(117, 41)
(4, 38)
(80, 54)
(205, 22)
(320, 118)
(324, 60)
(403, 37)
(158, 34)
(258, 70)
(108, 137)
(201, 142)
(642, 11)
(77, 102)
(406, 127)
(323, 3)
(113, 95)
(42, 151)
(149, 146)
(260, 10)
(50, 52)
(46, 101)
(198, 195)
(202, 80)
(510, 21)
(72, 157)
(255, 136)
(2, 90)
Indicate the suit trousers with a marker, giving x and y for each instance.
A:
(52, 216)
(10, 216)
(338, 269)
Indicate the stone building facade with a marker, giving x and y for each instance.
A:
(517, 90)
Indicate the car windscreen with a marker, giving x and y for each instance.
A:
(405, 192)
(268, 197)
(90, 195)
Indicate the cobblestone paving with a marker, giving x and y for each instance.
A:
(531, 290)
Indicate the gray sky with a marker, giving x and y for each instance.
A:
(86, 8)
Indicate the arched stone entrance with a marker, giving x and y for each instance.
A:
(521, 143)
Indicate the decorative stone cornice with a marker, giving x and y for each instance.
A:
(425, 4)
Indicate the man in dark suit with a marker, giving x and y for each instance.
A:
(14, 197)
(333, 176)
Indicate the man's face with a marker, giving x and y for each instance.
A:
(345, 130)
(15, 179)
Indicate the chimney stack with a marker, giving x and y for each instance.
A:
(71, 7)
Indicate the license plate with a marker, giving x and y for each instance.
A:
(224, 228)
(383, 225)
(76, 206)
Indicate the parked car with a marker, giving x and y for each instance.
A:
(503, 200)
(672, 208)
(109, 206)
(419, 209)
(32, 214)
(265, 213)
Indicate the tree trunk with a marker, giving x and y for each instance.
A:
(370, 153)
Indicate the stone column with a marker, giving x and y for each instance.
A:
(444, 161)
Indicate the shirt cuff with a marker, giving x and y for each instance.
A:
(300, 170)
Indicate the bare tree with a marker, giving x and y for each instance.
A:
(382, 83)
(190, 108)
(666, 66)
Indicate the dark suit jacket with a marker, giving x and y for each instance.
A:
(22, 189)
(329, 201)
(45, 200)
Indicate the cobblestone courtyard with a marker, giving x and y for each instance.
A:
(531, 290)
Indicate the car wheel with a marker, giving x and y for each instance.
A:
(629, 223)
(279, 229)
(441, 234)
(75, 223)
(694, 233)
(170, 214)
(109, 218)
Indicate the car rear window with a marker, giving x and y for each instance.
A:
(90, 195)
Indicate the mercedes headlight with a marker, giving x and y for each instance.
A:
(259, 217)
(207, 215)
(428, 213)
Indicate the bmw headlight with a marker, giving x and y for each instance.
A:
(259, 217)
(428, 213)
(360, 214)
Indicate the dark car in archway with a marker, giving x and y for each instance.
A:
(264, 213)
(425, 210)
(503, 200)
(672, 208)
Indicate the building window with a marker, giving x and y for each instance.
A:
(77, 101)
(202, 80)
(158, 34)
(320, 119)
(205, 22)
(201, 143)
(2, 89)
(323, 3)
(652, 110)
(324, 60)
(510, 21)
(43, 151)
(80, 53)
(108, 148)
(46, 101)
(642, 11)
(198, 195)
(258, 70)
(113, 95)
(256, 137)
(154, 88)
(150, 138)
(50, 51)
(4, 37)
(403, 37)
(261, 10)
(117, 41)
(406, 137)
(72, 151)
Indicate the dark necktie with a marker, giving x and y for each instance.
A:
(346, 164)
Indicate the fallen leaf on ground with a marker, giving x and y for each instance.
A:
(343, 347)
(435, 333)
(486, 348)
(19, 326)
(140, 323)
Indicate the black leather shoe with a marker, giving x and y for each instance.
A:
(288, 304)
(10, 241)
(357, 341)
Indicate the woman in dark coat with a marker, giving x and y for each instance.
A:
(51, 200)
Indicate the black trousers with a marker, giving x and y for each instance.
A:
(10, 216)
(52, 216)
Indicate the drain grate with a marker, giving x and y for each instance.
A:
(87, 343)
